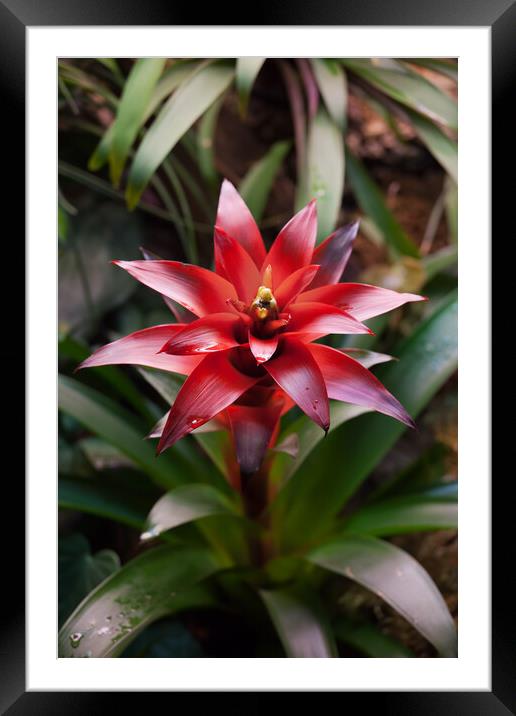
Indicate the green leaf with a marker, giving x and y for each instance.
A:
(332, 84)
(412, 513)
(398, 579)
(247, 69)
(105, 418)
(156, 583)
(443, 148)
(130, 117)
(79, 571)
(372, 203)
(169, 81)
(440, 260)
(410, 89)
(452, 209)
(323, 174)
(338, 465)
(184, 107)
(206, 143)
(444, 67)
(369, 640)
(187, 504)
(126, 501)
(255, 187)
(300, 623)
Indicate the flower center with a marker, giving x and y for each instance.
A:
(264, 305)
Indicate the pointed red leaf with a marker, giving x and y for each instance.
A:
(333, 254)
(217, 332)
(262, 348)
(141, 348)
(296, 372)
(253, 428)
(235, 219)
(197, 289)
(347, 380)
(322, 319)
(294, 284)
(239, 268)
(210, 388)
(359, 299)
(294, 245)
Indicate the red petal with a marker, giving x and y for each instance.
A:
(181, 314)
(262, 348)
(253, 428)
(361, 300)
(294, 284)
(235, 219)
(294, 244)
(333, 254)
(217, 423)
(322, 319)
(238, 266)
(217, 332)
(349, 381)
(141, 348)
(296, 372)
(197, 289)
(210, 388)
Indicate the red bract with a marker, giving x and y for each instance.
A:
(249, 355)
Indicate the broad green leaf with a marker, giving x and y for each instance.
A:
(247, 69)
(323, 174)
(410, 89)
(187, 504)
(338, 465)
(62, 223)
(412, 513)
(101, 498)
(372, 203)
(300, 623)
(398, 579)
(368, 639)
(102, 455)
(136, 96)
(206, 143)
(255, 187)
(184, 107)
(109, 421)
(156, 583)
(79, 571)
(332, 84)
(439, 144)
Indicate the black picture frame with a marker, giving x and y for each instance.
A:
(15, 17)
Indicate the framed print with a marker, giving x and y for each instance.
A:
(272, 271)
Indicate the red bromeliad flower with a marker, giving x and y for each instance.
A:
(248, 352)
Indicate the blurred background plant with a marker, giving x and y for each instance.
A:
(143, 146)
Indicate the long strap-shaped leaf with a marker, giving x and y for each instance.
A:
(323, 172)
(156, 583)
(136, 96)
(397, 578)
(185, 106)
(255, 187)
(247, 69)
(187, 504)
(410, 513)
(300, 623)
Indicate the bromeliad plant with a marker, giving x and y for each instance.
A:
(247, 340)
